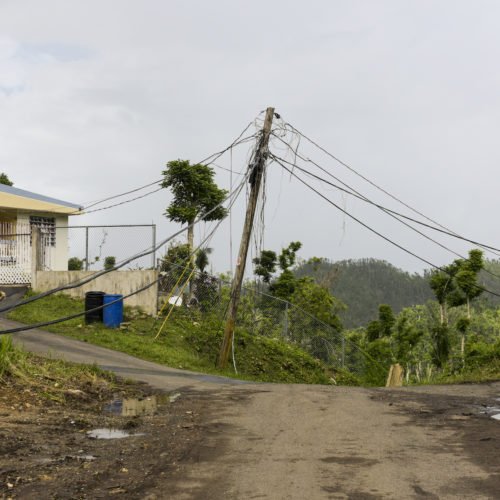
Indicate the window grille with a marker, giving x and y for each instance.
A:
(48, 227)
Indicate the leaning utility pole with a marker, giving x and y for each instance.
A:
(257, 169)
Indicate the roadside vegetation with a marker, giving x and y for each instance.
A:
(48, 378)
(453, 338)
(184, 343)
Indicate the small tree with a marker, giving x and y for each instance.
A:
(4, 179)
(109, 262)
(195, 194)
(175, 260)
(75, 264)
(265, 265)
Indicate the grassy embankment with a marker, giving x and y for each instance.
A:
(187, 342)
(47, 378)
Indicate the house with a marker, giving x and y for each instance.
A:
(20, 212)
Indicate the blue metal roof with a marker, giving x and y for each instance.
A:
(34, 196)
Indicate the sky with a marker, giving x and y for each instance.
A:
(96, 97)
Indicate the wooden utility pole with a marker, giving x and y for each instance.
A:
(257, 170)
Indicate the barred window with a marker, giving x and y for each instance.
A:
(48, 227)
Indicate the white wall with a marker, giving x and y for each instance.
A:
(59, 253)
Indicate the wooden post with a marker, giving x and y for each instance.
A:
(257, 167)
(395, 378)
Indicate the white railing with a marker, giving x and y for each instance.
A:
(15, 253)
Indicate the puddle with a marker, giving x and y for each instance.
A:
(492, 411)
(110, 434)
(132, 407)
(174, 397)
(81, 457)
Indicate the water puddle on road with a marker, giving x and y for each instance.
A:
(131, 407)
(492, 411)
(110, 434)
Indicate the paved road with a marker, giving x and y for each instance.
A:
(124, 365)
(276, 441)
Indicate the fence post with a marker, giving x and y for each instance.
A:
(153, 227)
(343, 352)
(285, 324)
(86, 248)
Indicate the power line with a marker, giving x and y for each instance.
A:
(121, 194)
(213, 157)
(149, 285)
(380, 235)
(77, 283)
(354, 171)
(389, 212)
(122, 202)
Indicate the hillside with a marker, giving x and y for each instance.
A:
(365, 284)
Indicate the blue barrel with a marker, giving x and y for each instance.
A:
(113, 314)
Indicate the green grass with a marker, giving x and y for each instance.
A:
(189, 341)
(50, 378)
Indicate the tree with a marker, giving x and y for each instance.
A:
(457, 285)
(304, 292)
(443, 285)
(284, 286)
(195, 194)
(205, 286)
(175, 260)
(381, 327)
(467, 284)
(317, 301)
(265, 265)
(75, 264)
(201, 260)
(4, 179)
(109, 262)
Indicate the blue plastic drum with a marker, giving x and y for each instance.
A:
(112, 315)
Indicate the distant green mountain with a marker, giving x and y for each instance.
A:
(365, 284)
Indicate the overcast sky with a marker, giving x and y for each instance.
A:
(96, 97)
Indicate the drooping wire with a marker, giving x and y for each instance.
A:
(82, 281)
(395, 198)
(395, 215)
(351, 191)
(121, 203)
(380, 235)
(66, 318)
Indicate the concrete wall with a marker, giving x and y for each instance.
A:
(116, 282)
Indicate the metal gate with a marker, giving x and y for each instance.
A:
(15, 252)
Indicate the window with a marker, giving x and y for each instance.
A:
(48, 228)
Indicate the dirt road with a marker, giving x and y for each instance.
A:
(293, 441)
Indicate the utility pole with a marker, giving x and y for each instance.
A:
(257, 169)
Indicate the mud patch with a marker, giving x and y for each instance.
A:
(349, 461)
(45, 451)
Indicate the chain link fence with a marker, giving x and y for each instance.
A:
(93, 244)
(268, 316)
